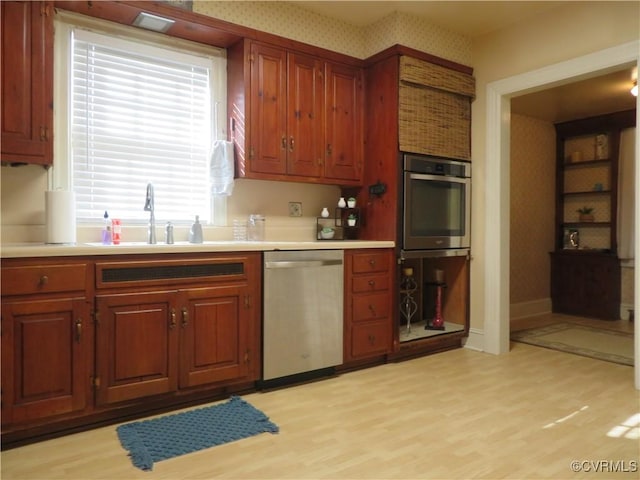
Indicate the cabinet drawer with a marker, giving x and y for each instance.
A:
(371, 307)
(370, 262)
(371, 283)
(43, 279)
(370, 338)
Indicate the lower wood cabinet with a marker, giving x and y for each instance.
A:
(45, 358)
(150, 343)
(585, 283)
(94, 339)
(152, 340)
(368, 303)
(47, 339)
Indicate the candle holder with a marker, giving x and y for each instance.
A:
(437, 323)
(408, 287)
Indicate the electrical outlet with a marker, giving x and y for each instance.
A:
(295, 209)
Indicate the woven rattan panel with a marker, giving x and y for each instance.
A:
(434, 122)
(435, 109)
(427, 74)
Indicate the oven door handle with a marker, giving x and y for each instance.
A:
(441, 178)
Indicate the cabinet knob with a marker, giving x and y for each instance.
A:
(43, 280)
(372, 262)
(372, 283)
(291, 144)
(185, 317)
(283, 142)
(373, 310)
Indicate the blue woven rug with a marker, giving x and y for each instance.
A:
(166, 437)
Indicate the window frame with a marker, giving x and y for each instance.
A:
(60, 174)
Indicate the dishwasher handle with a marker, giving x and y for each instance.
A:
(302, 263)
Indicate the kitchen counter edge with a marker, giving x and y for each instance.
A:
(26, 250)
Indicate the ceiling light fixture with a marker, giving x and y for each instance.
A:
(634, 89)
(153, 22)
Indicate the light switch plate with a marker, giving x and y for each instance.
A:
(295, 209)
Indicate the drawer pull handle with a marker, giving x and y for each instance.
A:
(372, 283)
(373, 310)
(291, 144)
(372, 262)
(43, 280)
(78, 330)
(172, 322)
(185, 317)
(372, 339)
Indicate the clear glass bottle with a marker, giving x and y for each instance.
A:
(195, 234)
(255, 228)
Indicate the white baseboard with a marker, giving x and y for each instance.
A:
(624, 310)
(475, 340)
(530, 309)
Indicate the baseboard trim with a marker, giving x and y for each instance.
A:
(530, 309)
(475, 340)
(624, 310)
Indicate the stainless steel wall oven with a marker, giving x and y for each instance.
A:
(435, 207)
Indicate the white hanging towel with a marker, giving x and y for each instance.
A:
(221, 168)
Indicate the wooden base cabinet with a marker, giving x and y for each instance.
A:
(47, 340)
(368, 303)
(157, 341)
(91, 341)
(585, 283)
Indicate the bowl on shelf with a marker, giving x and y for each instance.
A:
(327, 233)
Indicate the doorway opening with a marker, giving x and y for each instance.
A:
(497, 200)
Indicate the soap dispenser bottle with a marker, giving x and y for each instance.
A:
(195, 234)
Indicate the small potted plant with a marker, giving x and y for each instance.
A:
(586, 214)
(351, 220)
(351, 202)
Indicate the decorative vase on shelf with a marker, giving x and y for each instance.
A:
(342, 203)
(324, 213)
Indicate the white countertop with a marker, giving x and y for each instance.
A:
(20, 250)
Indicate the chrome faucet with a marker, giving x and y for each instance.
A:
(149, 207)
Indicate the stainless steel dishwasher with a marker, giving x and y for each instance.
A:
(303, 312)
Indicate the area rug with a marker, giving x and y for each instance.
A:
(602, 344)
(150, 441)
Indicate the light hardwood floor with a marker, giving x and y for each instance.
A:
(454, 415)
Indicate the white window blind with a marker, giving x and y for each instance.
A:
(139, 114)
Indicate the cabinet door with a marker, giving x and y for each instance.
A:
(46, 354)
(136, 343)
(214, 328)
(268, 115)
(344, 136)
(27, 82)
(305, 118)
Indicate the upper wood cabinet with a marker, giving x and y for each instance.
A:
(27, 82)
(286, 113)
(344, 133)
(295, 116)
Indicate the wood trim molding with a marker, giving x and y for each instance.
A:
(196, 27)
